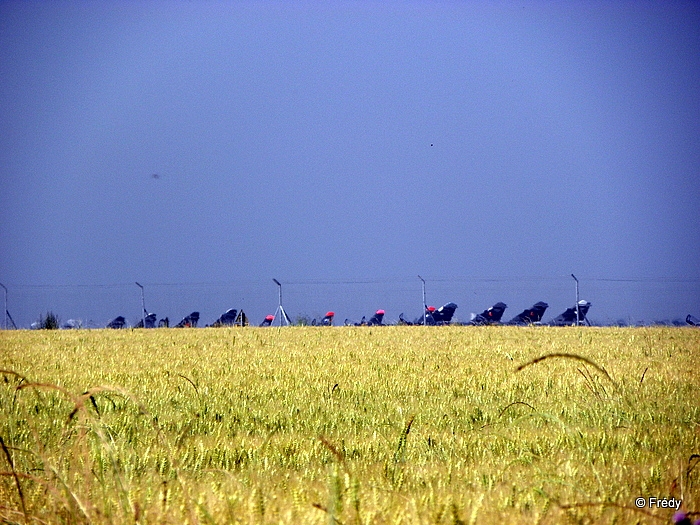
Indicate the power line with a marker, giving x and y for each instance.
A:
(361, 281)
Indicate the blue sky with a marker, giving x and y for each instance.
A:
(492, 147)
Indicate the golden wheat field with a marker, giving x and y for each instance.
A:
(349, 425)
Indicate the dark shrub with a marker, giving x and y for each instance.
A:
(50, 322)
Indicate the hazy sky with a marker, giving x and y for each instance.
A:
(492, 147)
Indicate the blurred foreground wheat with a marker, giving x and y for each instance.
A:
(348, 425)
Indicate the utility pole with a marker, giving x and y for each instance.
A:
(143, 305)
(280, 310)
(578, 313)
(425, 305)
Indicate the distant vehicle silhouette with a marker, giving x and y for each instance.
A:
(268, 320)
(189, 322)
(568, 318)
(491, 315)
(117, 322)
(692, 320)
(531, 316)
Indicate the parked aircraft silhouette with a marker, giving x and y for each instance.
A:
(326, 321)
(189, 321)
(568, 318)
(150, 321)
(692, 320)
(531, 316)
(268, 320)
(491, 315)
(376, 319)
(443, 315)
(428, 314)
(433, 316)
(228, 318)
(117, 322)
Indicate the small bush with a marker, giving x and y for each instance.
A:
(302, 320)
(50, 322)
